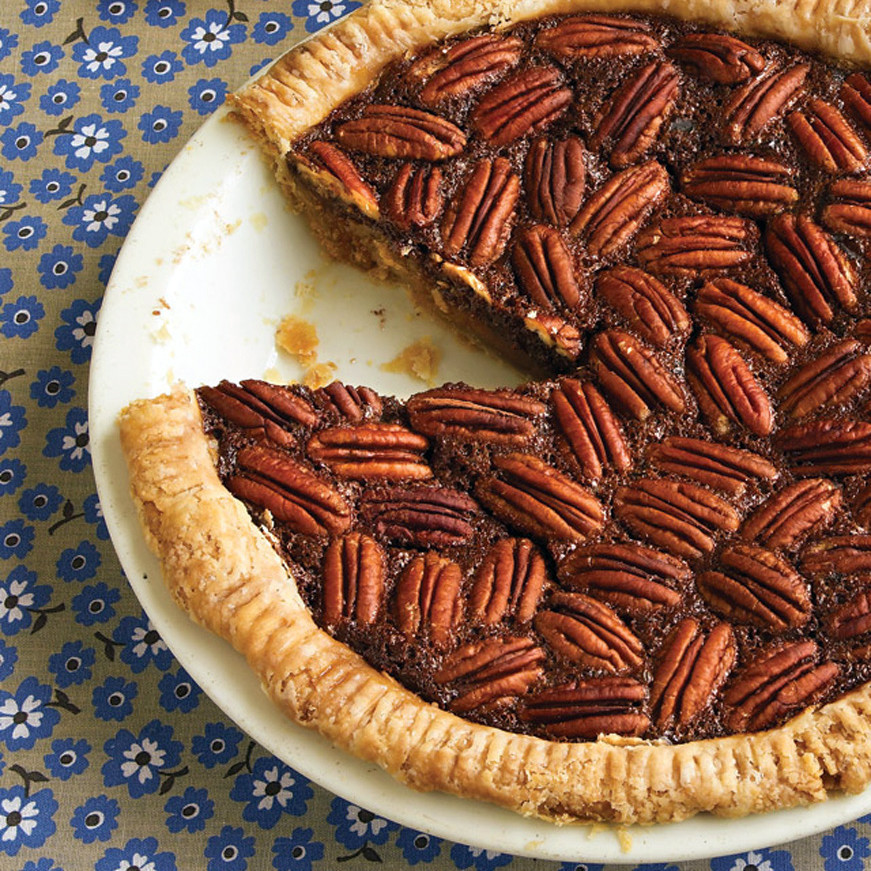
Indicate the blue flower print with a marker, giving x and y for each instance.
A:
(8, 658)
(116, 11)
(217, 746)
(16, 539)
(24, 715)
(20, 596)
(100, 57)
(137, 853)
(6, 282)
(113, 699)
(255, 68)
(142, 644)
(844, 850)
(52, 386)
(68, 757)
(12, 421)
(206, 95)
(272, 788)
(178, 692)
(10, 192)
(107, 264)
(72, 665)
(119, 96)
(60, 97)
(271, 27)
(12, 98)
(21, 142)
(12, 475)
(79, 563)
(58, 268)
(164, 13)
(161, 68)
(160, 125)
(481, 860)
(70, 443)
(8, 41)
(101, 216)
(43, 57)
(40, 502)
(418, 847)
(229, 851)
(210, 39)
(25, 820)
(755, 860)
(189, 811)
(43, 864)
(53, 184)
(25, 233)
(76, 333)
(356, 826)
(40, 12)
(94, 515)
(96, 819)
(123, 174)
(94, 604)
(21, 318)
(297, 852)
(319, 13)
(137, 760)
(91, 139)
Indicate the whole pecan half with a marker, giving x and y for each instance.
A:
(554, 176)
(610, 705)
(352, 403)
(715, 465)
(726, 389)
(535, 498)
(583, 631)
(647, 306)
(478, 219)
(599, 36)
(591, 430)
(741, 183)
(384, 130)
(853, 618)
(827, 447)
(414, 198)
(633, 376)
(524, 103)
(827, 138)
(756, 586)
(291, 493)
(491, 673)
(508, 583)
(631, 119)
(427, 598)
(349, 182)
(849, 208)
(816, 274)
(779, 682)
(716, 56)
(476, 415)
(691, 669)
(353, 580)
(760, 101)
(679, 517)
(856, 94)
(751, 319)
(628, 577)
(544, 268)
(616, 212)
(848, 555)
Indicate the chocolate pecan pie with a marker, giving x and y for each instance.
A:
(637, 588)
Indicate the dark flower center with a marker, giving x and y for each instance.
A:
(365, 816)
(298, 852)
(91, 328)
(209, 37)
(60, 268)
(78, 562)
(93, 820)
(21, 317)
(151, 637)
(182, 691)
(67, 758)
(10, 602)
(119, 96)
(6, 477)
(90, 141)
(161, 67)
(12, 540)
(421, 841)
(273, 787)
(96, 606)
(845, 853)
(101, 215)
(116, 700)
(228, 854)
(190, 810)
(217, 745)
(41, 59)
(13, 819)
(22, 142)
(19, 717)
(101, 56)
(40, 501)
(82, 440)
(143, 757)
(73, 664)
(57, 99)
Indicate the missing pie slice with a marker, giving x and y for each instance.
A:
(637, 588)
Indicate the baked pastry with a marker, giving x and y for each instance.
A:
(632, 593)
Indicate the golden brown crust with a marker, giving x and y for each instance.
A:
(222, 570)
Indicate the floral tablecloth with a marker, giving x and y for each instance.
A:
(111, 758)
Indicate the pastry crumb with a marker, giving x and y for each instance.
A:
(259, 220)
(299, 338)
(319, 375)
(624, 838)
(420, 359)
(272, 374)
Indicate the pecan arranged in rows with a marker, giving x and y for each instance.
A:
(427, 598)
(554, 176)
(726, 389)
(849, 209)
(841, 554)
(610, 705)
(583, 631)
(544, 268)
(420, 516)
(371, 451)
(414, 198)
(741, 183)
(751, 319)
(754, 585)
(473, 414)
(695, 244)
(718, 466)
(861, 505)
(400, 131)
(853, 618)
(827, 447)
(827, 138)
(353, 580)
(591, 430)
(290, 492)
(759, 102)
(628, 577)
(633, 376)
(616, 212)
(679, 517)
(816, 273)
(350, 184)
(599, 36)
(856, 94)
(463, 67)
(491, 673)
(524, 103)
(535, 498)
(479, 217)
(718, 57)
(508, 583)
(780, 681)
(631, 119)
(691, 669)
(648, 307)
(352, 403)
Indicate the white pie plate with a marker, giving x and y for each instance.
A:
(211, 265)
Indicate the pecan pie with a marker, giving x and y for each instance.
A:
(632, 590)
